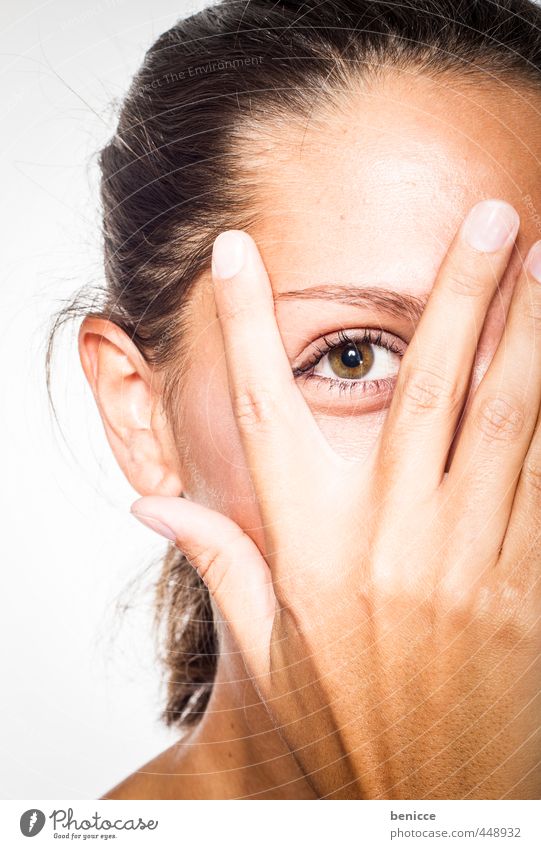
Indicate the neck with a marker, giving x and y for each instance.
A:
(235, 751)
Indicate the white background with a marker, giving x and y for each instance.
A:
(80, 686)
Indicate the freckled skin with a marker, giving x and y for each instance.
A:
(370, 194)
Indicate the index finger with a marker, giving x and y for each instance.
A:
(284, 447)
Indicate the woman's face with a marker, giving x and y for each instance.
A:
(360, 208)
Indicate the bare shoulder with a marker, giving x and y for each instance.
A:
(154, 780)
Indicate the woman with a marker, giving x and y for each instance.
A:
(346, 399)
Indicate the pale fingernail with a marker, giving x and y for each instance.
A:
(228, 254)
(155, 525)
(490, 225)
(533, 261)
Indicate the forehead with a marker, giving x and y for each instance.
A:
(371, 191)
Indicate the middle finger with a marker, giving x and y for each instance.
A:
(435, 371)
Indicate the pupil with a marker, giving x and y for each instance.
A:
(351, 356)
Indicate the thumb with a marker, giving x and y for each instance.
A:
(227, 560)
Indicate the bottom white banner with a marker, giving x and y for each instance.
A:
(261, 824)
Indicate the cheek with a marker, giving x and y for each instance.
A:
(352, 437)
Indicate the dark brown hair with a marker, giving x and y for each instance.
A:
(175, 174)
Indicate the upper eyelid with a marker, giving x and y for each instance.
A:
(333, 339)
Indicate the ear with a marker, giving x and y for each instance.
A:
(128, 396)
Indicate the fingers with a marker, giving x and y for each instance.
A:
(494, 453)
(227, 560)
(521, 550)
(436, 368)
(281, 439)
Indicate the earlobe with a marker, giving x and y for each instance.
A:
(125, 391)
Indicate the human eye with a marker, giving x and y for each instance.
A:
(360, 361)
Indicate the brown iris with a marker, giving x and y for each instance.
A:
(351, 360)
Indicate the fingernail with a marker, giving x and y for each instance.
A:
(533, 261)
(490, 225)
(155, 525)
(228, 254)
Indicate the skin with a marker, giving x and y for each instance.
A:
(387, 180)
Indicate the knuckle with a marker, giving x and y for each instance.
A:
(531, 472)
(533, 310)
(254, 408)
(500, 419)
(204, 561)
(425, 390)
(213, 562)
(211, 566)
(235, 310)
(462, 281)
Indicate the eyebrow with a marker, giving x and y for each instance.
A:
(386, 300)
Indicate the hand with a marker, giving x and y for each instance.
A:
(391, 623)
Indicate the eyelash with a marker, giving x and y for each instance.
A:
(305, 372)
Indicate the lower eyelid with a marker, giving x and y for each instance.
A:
(346, 399)
(371, 388)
